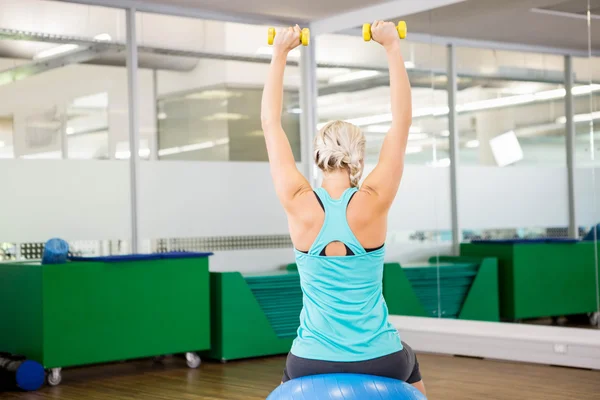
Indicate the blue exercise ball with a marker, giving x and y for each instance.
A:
(55, 251)
(345, 387)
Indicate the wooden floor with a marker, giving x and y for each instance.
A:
(447, 378)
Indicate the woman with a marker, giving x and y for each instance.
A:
(339, 230)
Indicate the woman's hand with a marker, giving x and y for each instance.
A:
(286, 40)
(385, 33)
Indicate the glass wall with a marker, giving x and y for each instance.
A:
(209, 88)
(66, 62)
(511, 128)
(63, 96)
(206, 91)
(498, 102)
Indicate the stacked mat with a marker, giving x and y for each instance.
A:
(455, 282)
(280, 298)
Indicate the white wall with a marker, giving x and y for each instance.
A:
(190, 199)
(587, 192)
(74, 200)
(513, 197)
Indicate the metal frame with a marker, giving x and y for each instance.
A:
(453, 150)
(570, 148)
(134, 134)
(308, 103)
(154, 147)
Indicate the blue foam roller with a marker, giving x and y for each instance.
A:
(55, 252)
(345, 387)
(30, 375)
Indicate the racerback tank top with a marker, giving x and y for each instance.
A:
(344, 317)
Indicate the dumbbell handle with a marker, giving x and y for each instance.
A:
(304, 36)
(401, 28)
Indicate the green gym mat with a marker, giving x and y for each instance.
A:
(280, 298)
(455, 280)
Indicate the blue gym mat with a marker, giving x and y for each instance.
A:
(142, 257)
(526, 241)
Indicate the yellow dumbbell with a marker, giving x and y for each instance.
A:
(304, 36)
(401, 28)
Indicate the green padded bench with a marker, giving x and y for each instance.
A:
(541, 278)
(106, 309)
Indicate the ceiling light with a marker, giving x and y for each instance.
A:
(586, 117)
(413, 149)
(445, 133)
(213, 95)
(472, 144)
(354, 76)
(295, 110)
(386, 128)
(54, 51)
(162, 115)
(373, 119)
(495, 103)
(443, 162)
(70, 130)
(224, 117)
(103, 37)
(580, 118)
(418, 136)
(125, 154)
(54, 155)
(326, 72)
(585, 89)
(378, 128)
(409, 64)
(2, 144)
(268, 51)
(479, 105)
(520, 88)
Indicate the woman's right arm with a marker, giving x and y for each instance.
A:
(383, 182)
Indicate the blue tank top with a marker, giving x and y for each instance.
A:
(344, 316)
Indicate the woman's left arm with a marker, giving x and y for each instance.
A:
(289, 182)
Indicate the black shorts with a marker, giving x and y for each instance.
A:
(402, 365)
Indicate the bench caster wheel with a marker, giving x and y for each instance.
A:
(159, 359)
(595, 319)
(54, 377)
(193, 360)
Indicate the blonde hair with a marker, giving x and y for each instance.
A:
(338, 145)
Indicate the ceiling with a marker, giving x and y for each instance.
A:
(303, 10)
(509, 21)
(512, 21)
